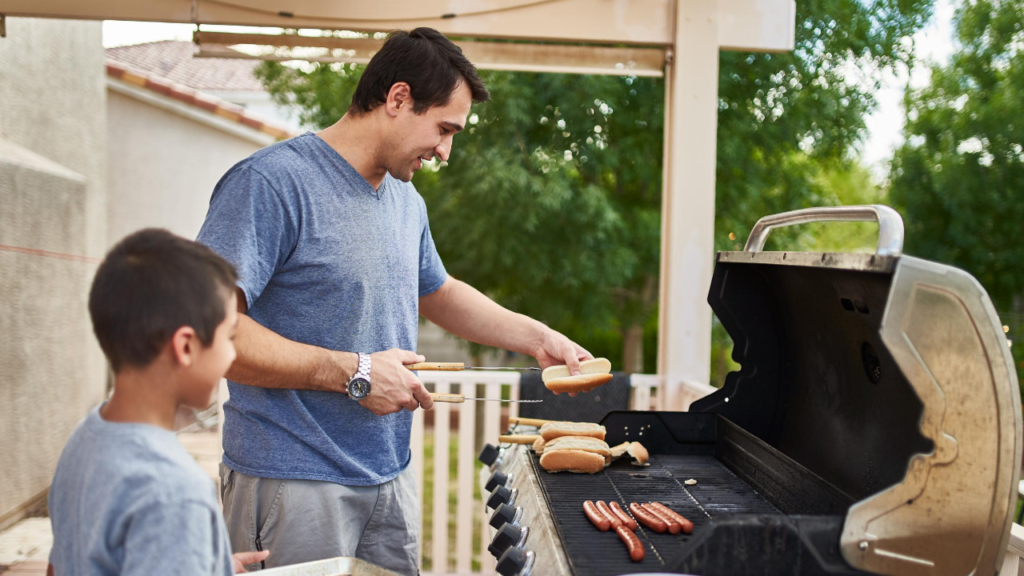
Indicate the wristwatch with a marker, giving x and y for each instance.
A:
(359, 385)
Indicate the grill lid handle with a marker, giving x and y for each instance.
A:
(890, 224)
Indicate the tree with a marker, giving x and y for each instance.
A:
(551, 201)
(959, 178)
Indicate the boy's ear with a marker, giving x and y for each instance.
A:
(184, 345)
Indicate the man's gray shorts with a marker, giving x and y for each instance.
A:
(307, 520)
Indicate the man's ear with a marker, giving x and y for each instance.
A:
(184, 345)
(398, 97)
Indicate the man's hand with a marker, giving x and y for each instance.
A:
(393, 386)
(555, 349)
(242, 559)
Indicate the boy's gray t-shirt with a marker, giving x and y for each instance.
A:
(128, 499)
(323, 259)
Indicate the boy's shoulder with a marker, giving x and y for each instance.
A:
(136, 461)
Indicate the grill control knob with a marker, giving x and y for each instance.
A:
(506, 514)
(488, 455)
(502, 495)
(507, 536)
(515, 562)
(499, 478)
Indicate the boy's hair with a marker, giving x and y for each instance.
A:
(150, 284)
(428, 62)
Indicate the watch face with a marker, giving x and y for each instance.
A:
(359, 388)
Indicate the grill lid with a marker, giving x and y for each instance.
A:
(889, 377)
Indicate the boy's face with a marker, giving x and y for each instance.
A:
(211, 362)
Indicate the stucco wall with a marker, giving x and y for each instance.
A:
(163, 167)
(52, 197)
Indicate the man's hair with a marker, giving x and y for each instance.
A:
(424, 59)
(151, 284)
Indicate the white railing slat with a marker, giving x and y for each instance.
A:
(416, 447)
(441, 436)
(467, 457)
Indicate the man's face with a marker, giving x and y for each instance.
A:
(212, 362)
(417, 138)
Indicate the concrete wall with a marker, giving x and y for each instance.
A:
(52, 198)
(163, 166)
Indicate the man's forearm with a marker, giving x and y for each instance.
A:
(269, 360)
(463, 311)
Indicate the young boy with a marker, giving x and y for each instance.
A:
(127, 498)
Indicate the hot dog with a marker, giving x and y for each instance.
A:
(686, 524)
(673, 526)
(636, 549)
(608, 513)
(647, 519)
(621, 514)
(595, 516)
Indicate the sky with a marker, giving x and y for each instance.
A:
(933, 44)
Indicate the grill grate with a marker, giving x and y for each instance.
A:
(718, 493)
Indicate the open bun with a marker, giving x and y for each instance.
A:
(572, 461)
(554, 430)
(584, 383)
(639, 453)
(594, 366)
(618, 451)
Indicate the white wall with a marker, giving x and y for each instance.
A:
(52, 197)
(163, 167)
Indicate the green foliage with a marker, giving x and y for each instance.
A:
(959, 179)
(551, 201)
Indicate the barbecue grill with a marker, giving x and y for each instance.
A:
(874, 427)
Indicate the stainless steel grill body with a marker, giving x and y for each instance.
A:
(874, 426)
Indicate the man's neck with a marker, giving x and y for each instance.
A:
(142, 397)
(357, 140)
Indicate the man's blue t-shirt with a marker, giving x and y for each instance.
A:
(323, 259)
(128, 499)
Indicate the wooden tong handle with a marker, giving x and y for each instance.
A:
(529, 421)
(518, 439)
(449, 398)
(452, 366)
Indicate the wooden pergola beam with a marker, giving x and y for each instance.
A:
(555, 58)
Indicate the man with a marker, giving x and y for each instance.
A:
(336, 262)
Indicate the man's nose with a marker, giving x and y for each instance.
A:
(442, 150)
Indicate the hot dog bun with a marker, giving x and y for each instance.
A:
(584, 383)
(571, 461)
(538, 445)
(595, 366)
(554, 430)
(585, 443)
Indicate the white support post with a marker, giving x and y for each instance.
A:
(688, 200)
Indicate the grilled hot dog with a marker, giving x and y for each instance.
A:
(615, 522)
(673, 526)
(621, 514)
(647, 519)
(595, 516)
(636, 548)
(682, 520)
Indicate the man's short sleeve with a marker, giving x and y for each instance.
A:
(178, 538)
(432, 272)
(251, 226)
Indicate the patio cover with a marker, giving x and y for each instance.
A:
(688, 35)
